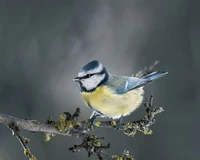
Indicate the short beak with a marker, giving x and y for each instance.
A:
(76, 79)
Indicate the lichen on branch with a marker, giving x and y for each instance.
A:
(71, 126)
(75, 128)
(90, 143)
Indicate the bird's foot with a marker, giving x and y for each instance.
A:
(118, 124)
(92, 119)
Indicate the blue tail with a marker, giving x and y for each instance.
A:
(145, 80)
(154, 75)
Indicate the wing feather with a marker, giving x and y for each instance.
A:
(122, 84)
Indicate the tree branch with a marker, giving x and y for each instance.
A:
(67, 126)
(70, 127)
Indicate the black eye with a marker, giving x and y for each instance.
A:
(88, 75)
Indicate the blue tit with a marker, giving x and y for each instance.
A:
(109, 95)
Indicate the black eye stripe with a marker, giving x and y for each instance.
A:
(89, 75)
(86, 76)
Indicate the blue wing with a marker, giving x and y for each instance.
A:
(122, 84)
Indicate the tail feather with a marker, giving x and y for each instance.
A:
(154, 75)
(148, 79)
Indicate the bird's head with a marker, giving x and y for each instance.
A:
(91, 75)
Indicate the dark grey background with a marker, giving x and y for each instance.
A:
(43, 43)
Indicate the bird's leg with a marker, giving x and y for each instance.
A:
(118, 124)
(93, 116)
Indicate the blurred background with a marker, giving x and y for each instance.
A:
(43, 44)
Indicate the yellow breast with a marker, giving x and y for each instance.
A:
(113, 105)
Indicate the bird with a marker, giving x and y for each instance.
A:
(111, 96)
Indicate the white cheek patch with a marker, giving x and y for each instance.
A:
(95, 70)
(93, 82)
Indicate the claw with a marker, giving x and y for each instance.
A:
(118, 124)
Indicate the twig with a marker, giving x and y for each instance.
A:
(124, 156)
(92, 145)
(147, 120)
(23, 141)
